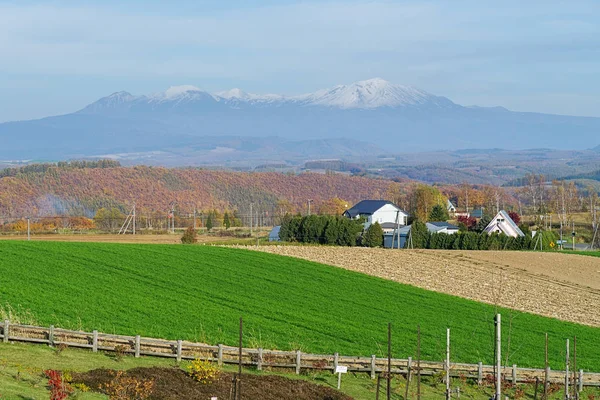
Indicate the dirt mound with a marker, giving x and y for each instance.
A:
(174, 383)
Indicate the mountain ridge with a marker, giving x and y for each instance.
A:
(393, 117)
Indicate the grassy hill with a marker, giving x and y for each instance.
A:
(199, 292)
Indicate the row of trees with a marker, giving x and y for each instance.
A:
(329, 229)
(423, 239)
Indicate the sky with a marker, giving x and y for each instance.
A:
(542, 56)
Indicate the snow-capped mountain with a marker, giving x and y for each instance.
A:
(369, 94)
(373, 93)
(393, 117)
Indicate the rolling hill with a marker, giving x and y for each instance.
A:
(199, 292)
(81, 191)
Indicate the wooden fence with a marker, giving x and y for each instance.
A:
(271, 359)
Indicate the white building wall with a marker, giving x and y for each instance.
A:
(387, 213)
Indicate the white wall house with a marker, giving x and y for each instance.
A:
(502, 223)
(377, 211)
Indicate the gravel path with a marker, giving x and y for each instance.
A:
(561, 286)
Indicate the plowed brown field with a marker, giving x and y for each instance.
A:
(562, 286)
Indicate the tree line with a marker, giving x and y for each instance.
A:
(331, 230)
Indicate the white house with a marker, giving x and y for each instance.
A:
(450, 207)
(377, 211)
(502, 223)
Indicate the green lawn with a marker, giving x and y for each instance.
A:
(199, 292)
(22, 366)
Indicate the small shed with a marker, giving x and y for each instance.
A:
(274, 234)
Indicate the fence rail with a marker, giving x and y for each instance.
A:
(265, 359)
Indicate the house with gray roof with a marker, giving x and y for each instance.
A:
(381, 211)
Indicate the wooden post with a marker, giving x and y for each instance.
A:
(408, 365)
(373, 366)
(95, 341)
(447, 366)
(514, 374)
(419, 362)
(220, 354)
(239, 377)
(336, 357)
(479, 373)
(537, 382)
(51, 336)
(6, 331)
(580, 382)
(179, 350)
(498, 357)
(389, 369)
(546, 371)
(567, 357)
(575, 385)
(137, 346)
(298, 361)
(378, 387)
(260, 359)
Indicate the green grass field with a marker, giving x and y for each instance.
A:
(199, 293)
(22, 366)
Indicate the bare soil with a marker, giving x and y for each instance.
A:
(563, 286)
(114, 238)
(175, 384)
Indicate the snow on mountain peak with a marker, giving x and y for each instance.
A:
(234, 93)
(175, 91)
(371, 93)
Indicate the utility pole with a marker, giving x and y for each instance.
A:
(309, 201)
(134, 218)
(28, 230)
(194, 218)
(573, 234)
(251, 219)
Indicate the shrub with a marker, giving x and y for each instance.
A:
(123, 387)
(59, 388)
(189, 236)
(203, 371)
(373, 237)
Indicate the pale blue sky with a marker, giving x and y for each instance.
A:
(58, 56)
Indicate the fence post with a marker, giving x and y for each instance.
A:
(580, 383)
(373, 366)
(220, 354)
(6, 330)
(514, 374)
(408, 367)
(298, 361)
(479, 373)
(137, 346)
(260, 359)
(179, 350)
(336, 357)
(51, 336)
(95, 341)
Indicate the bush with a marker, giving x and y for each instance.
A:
(59, 387)
(203, 371)
(123, 387)
(189, 236)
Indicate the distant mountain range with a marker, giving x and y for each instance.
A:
(187, 125)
